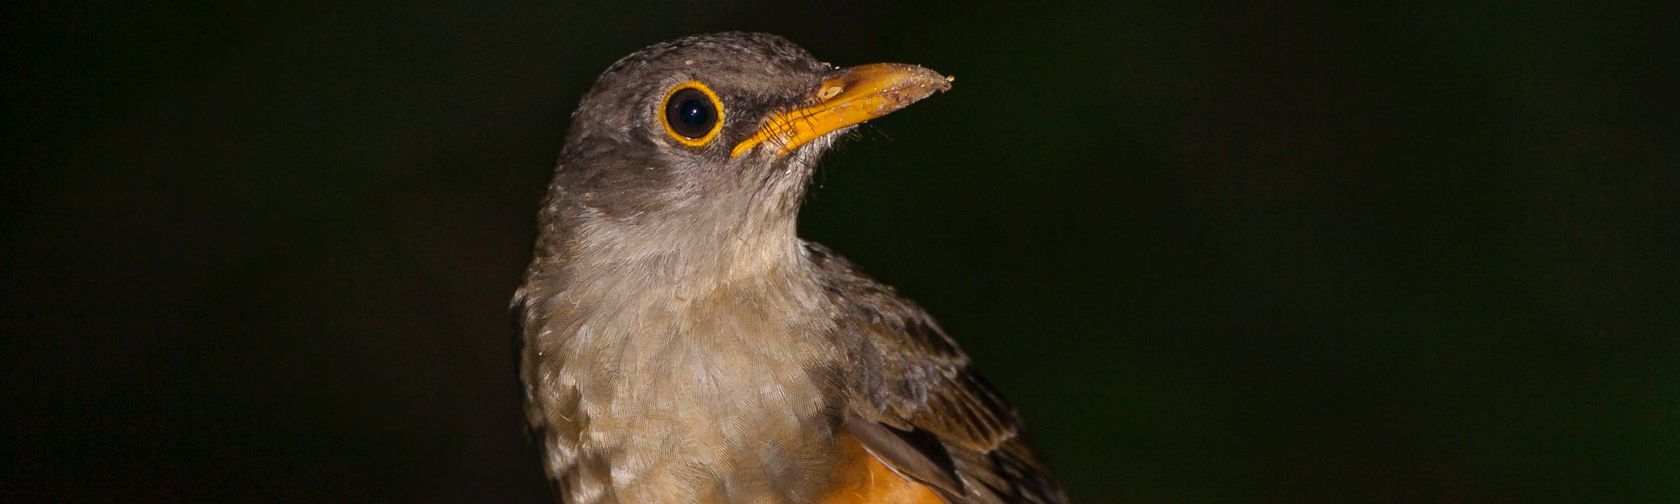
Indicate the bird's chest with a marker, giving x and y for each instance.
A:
(722, 395)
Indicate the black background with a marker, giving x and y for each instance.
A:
(1213, 253)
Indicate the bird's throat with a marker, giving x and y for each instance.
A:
(703, 249)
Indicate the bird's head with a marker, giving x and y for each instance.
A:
(713, 137)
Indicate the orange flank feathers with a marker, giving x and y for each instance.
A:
(865, 480)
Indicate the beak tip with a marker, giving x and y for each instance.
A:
(913, 83)
(928, 77)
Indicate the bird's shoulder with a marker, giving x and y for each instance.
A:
(916, 403)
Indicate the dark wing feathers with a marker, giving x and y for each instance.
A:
(918, 406)
(912, 451)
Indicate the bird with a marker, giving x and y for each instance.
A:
(679, 342)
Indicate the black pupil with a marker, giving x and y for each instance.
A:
(690, 113)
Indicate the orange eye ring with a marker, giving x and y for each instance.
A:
(691, 113)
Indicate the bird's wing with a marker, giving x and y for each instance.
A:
(916, 404)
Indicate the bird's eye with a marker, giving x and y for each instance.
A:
(692, 113)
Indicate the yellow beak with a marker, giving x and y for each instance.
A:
(854, 95)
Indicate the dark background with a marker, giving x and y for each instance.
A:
(1213, 253)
